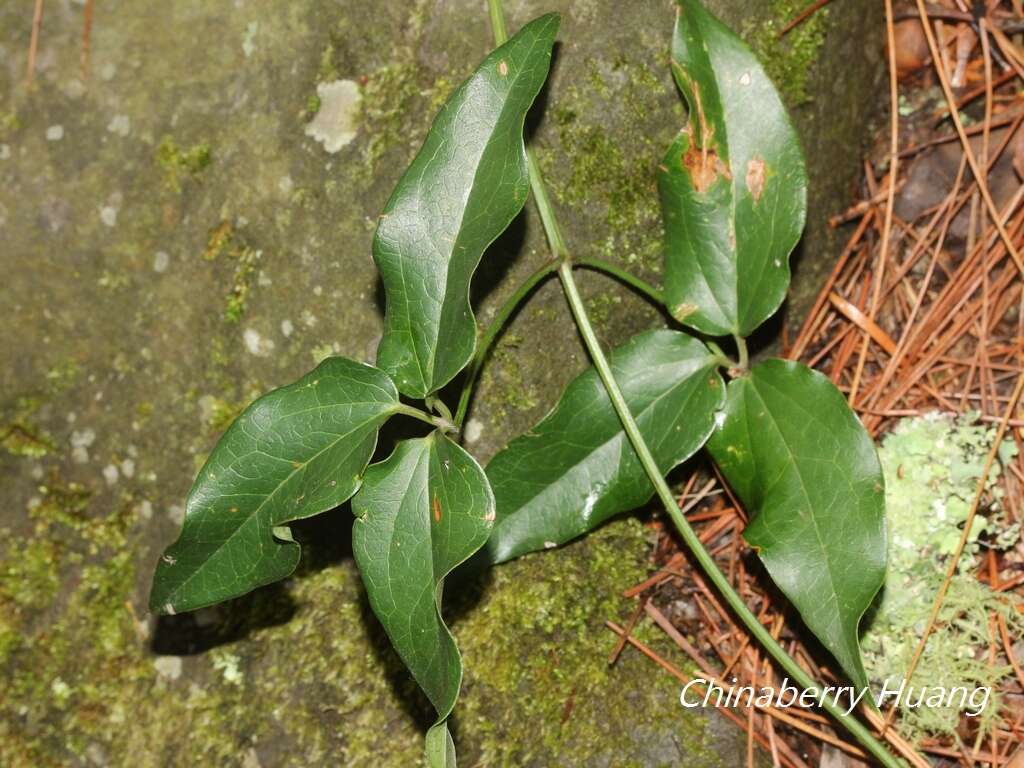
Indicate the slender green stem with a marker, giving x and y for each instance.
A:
(493, 330)
(741, 347)
(543, 202)
(689, 536)
(642, 286)
(497, 12)
(434, 403)
(721, 358)
(438, 422)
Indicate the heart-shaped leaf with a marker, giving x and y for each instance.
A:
(577, 468)
(462, 190)
(733, 184)
(295, 452)
(808, 474)
(420, 513)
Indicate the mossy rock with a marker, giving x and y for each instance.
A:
(174, 243)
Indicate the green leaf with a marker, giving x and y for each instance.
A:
(461, 192)
(421, 512)
(440, 748)
(577, 468)
(297, 451)
(807, 472)
(733, 185)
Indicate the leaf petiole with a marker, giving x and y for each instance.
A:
(741, 347)
(634, 282)
(439, 422)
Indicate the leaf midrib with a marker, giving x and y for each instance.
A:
(834, 596)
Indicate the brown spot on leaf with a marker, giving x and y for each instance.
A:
(503, 68)
(682, 311)
(702, 165)
(437, 510)
(701, 159)
(756, 172)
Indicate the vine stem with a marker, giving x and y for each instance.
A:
(689, 536)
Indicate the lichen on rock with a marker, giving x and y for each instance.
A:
(932, 467)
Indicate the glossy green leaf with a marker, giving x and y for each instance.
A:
(807, 472)
(297, 451)
(577, 468)
(462, 190)
(421, 512)
(733, 184)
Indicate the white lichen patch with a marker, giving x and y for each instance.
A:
(334, 125)
(256, 343)
(161, 260)
(55, 133)
(474, 429)
(120, 125)
(111, 474)
(108, 215)
(81, 440)
(168, 667)
(287, 328)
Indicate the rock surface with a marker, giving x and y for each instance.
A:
(177, 235)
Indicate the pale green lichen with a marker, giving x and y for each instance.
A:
(932, 466)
